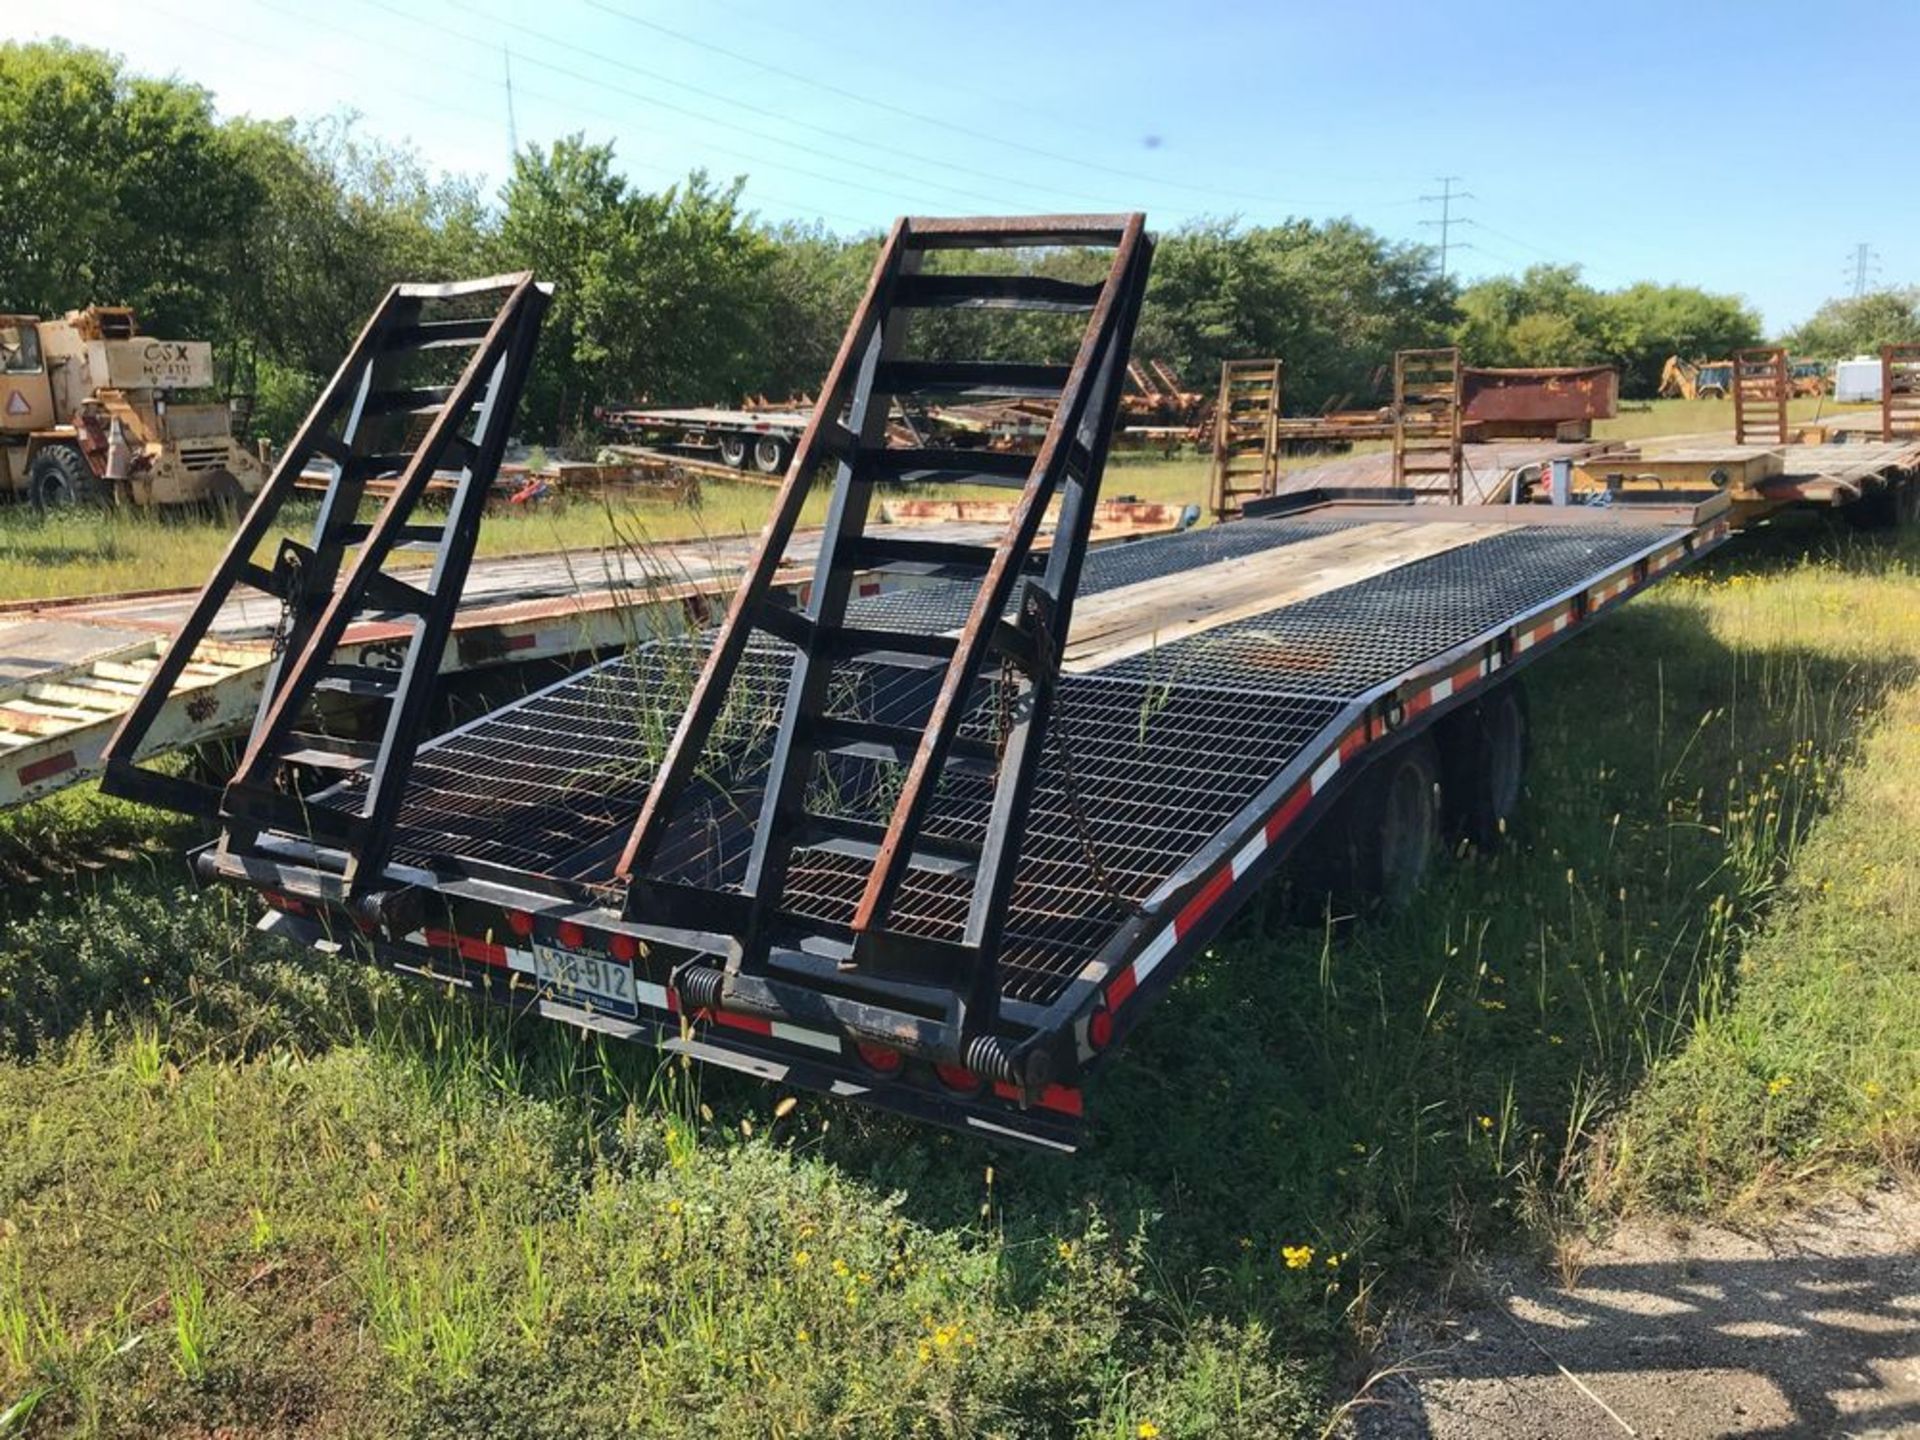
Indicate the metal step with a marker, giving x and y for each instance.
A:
(863, 840)
(969, 377)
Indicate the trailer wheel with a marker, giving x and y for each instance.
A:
(770, 455)
(1483, 761)
(225, 495)
(1892, 506)
(1379, 839)
(60, 479)
(1405, 822)
(733, 451)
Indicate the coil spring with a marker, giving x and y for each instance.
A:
(700, 986)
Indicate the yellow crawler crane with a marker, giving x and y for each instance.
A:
(88, 416)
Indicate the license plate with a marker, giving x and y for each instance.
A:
(590, 982)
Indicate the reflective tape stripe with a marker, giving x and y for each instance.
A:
(794, 1034)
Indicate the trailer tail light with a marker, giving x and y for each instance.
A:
(623, 947)
(571, 935)
(958, 1079)
(1100, 1028)
(881, 1059)
(520, 923)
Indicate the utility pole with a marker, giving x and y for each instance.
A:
(513, 130)
(1446, 198)
(1865, 261)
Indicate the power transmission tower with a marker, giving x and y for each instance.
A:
(513, 130)
(1445, 199)
(1866, 261)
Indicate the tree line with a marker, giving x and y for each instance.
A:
(275, 238)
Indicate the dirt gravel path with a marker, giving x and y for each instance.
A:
(1675, 1332)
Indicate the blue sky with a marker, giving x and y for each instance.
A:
(1606, 135)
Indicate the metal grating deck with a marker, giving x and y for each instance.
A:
(1166, 747)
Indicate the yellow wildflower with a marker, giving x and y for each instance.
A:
(1147, 1430)
(1779, 1084)
(801, 1259)
(1298, 1257)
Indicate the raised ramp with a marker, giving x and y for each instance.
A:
(1246, 451)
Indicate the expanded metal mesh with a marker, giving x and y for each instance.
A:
(1165, 747)
(1345, 642)
(929, 609)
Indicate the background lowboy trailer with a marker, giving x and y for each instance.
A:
(1208, 736)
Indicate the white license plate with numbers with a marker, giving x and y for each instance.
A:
(596, 982)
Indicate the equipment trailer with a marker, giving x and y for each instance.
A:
(938, 849)
(757, 440)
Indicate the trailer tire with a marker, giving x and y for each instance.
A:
(1380, 839)
(1483, 762)
(733, 451)
(1891, 507)
(61, 479)
(771, 454)
(1404, 822)
(225, 495)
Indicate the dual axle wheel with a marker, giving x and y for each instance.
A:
(767, 454)
(1461, 779)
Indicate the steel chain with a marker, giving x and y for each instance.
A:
(1070, 780)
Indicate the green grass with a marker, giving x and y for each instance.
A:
(272, 1192)
(48, 556)
(1803, 1071)
(1688, 417)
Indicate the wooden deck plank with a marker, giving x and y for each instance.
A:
(1115, 624)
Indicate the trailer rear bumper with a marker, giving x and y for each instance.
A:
(774, 1050)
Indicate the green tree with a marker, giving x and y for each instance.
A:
(1333, 300)
(815, 280)
(115, 190)
(1548, 315)
(343, 218)
(663, 297)
(1859, 325)
(1641, 325)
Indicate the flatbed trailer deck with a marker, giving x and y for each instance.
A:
(758, 440)
(1196, 765)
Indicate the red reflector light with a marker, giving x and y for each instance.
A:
(624, 947)
(1100, 1029)
(571, 935)
(957, 1078)
(879, 1057)
(520, 922)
